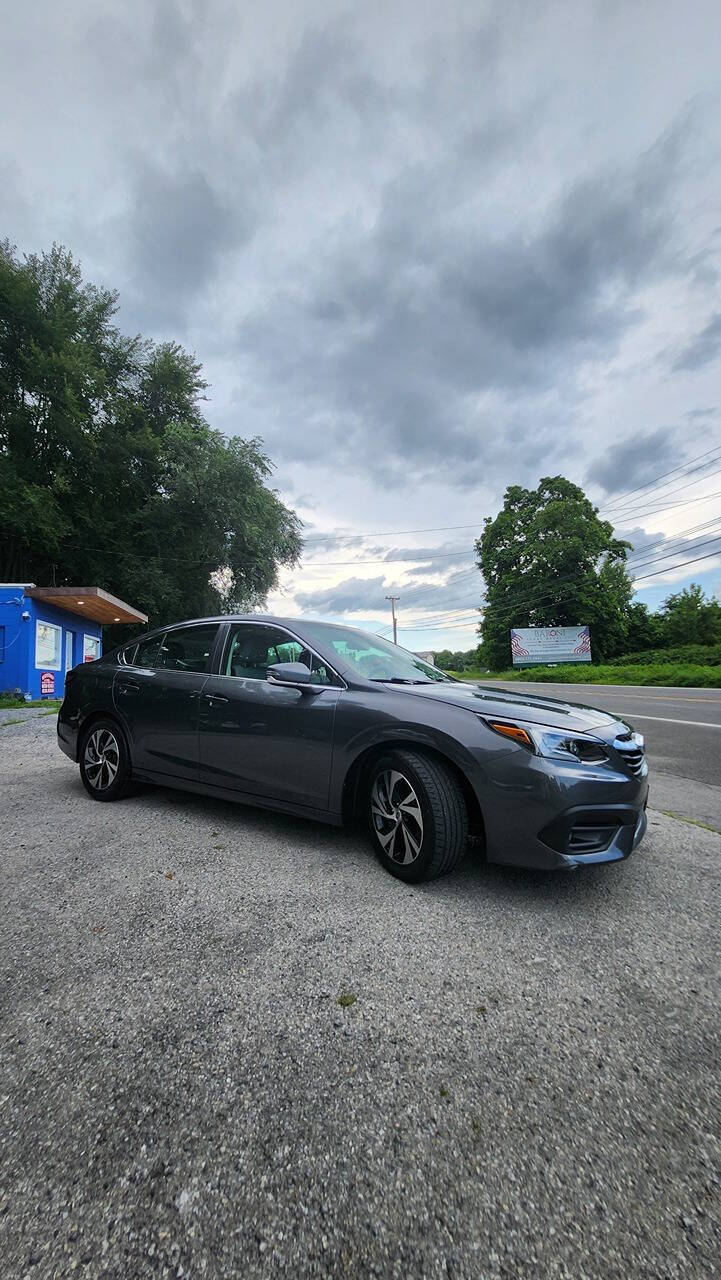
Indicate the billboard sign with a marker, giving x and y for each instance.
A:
(531, 646)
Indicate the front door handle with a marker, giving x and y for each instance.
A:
(215, 697)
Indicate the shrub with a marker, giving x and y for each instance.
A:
(702, 655)
(667, 674)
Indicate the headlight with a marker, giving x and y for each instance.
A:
(552, 743)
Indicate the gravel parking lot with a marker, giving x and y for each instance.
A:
(233, 1046)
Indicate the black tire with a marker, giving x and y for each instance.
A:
(434, 817)
(105, 741)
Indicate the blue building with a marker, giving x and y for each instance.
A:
(44, 631)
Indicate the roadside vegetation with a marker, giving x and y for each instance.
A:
(685, 649)
(10, 700)
(661, 673)
(549, 560)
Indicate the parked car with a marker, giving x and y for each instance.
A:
(335, 724)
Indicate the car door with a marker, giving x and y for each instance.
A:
(264, 739)
(157, 695)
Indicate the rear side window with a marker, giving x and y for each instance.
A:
(146, 652)
(187, 649)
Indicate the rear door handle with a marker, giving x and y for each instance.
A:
(215, 697)
(128, 686)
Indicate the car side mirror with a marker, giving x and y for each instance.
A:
(293, 674)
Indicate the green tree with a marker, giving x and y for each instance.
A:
(687, 617)
(549, 560)
(109, 473)
(644, 629)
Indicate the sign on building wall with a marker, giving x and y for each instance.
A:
(47, 683)
(533, 645)
(48, 644)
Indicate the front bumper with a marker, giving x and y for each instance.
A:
(581, 835)
(550, 816)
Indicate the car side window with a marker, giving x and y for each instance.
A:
(187, 649)
(251, 649)
(146, 652)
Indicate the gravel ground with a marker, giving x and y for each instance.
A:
(521, 1081)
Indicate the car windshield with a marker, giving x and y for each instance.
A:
(372, 657)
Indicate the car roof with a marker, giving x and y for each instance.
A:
(246, 617)
(269, 618)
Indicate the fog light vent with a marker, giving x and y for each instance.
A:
(586, 839)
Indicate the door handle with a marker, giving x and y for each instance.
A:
(215, 697)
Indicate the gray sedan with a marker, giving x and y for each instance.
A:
(334, 724)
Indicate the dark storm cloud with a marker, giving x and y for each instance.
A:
(400, 333)
(704, 348)
(180, 231)
(353, 595)
(639, 539)
(420, 255)
(440, 554)
(431, 568)
(350, 596)
(637, 460)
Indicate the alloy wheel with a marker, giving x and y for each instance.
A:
(397, 817)
(102, 759)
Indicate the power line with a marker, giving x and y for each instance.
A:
(672, 568)
(397, 533)
(422, 558)
(532, 593)
(528, 598)
(631, 509)
(653, 483)
(678, 552)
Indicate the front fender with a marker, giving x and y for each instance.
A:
(360, 729)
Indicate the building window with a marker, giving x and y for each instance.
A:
(91, 648)
(68, 650)
(48, 645)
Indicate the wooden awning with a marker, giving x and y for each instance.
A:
(89, 602)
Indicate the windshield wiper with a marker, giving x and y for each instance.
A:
(398, 680)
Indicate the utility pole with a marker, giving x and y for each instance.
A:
(394, 600)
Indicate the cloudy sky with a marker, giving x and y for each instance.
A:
(425, 251)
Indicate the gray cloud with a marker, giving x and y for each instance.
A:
(349, 596)
(403, 331)
(180, 232)
(636, 461)
(352, 595)
(703, 349)
(421, 258)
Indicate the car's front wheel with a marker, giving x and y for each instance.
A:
(418, 816)
(105, 761)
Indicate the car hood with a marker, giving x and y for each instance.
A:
(537, 709)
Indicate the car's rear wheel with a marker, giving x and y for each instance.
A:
(418, 817)
(105, 761)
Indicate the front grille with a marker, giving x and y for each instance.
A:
(633, 756)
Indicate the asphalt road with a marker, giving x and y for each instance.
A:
(682, 728)
(231, 1046)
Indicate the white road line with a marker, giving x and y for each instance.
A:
(697, 724)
